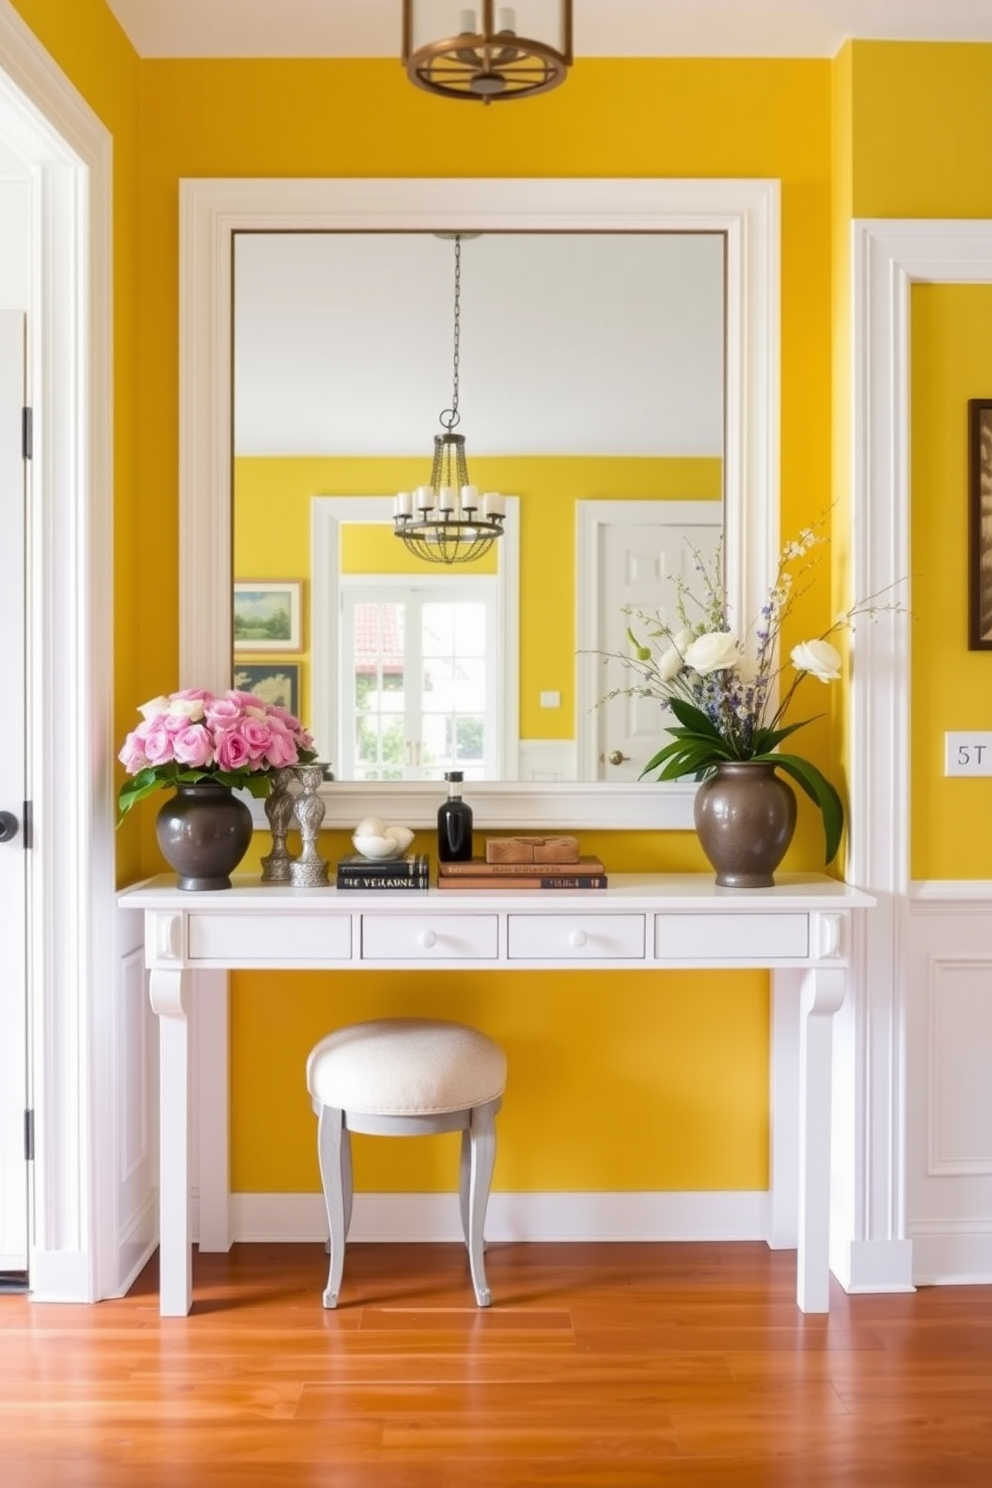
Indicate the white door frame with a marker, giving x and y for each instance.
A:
(870, 1248)
(71, 883)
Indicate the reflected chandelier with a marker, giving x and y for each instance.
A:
(486, 61)
(445, 522)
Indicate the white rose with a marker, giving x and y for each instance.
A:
(671, 661)
(191, 708)
(716, 651)
(154, 706)
(818, 658)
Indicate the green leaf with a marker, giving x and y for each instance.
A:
(694, 718)
(820, 790)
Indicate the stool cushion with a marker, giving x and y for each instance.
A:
(406, 1067)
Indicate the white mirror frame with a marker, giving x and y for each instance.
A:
(212, 211)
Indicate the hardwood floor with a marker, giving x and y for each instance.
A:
(606, 1366)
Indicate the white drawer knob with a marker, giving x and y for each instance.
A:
(427, 938)
(577, 938)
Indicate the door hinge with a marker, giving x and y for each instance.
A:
(27, 433)
(29, 1136)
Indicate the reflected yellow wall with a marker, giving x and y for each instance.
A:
(272, 540)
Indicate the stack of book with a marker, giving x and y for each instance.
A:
(584, 873)
(410, 872)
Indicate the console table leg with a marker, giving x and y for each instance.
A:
(169, 992)
(822, 995)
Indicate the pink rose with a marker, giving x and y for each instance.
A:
(232, 751)
(223, 713)
(256, 734)
(156, 740)
(133, 756)
(282, 749)
(193, 745)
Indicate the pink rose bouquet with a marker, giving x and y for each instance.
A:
(235, 739)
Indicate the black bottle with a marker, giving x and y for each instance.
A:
(454, 823)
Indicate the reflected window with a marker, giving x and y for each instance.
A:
(421, 692)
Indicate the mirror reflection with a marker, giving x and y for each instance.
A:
(591, 372)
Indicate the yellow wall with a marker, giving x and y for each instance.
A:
(665, 118)
(921, 118)
(681, 1059)
(951, 686)
(547, 488)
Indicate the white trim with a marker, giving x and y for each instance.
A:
(72, 867)
(950, 895)
(870, 1161)
(510, 1216)
(211, 211)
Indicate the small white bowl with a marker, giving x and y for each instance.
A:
(392, 842)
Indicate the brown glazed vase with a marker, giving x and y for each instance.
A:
(203, 833)
(745, 816)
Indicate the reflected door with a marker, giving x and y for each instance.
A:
(420, 690)
(630, 556)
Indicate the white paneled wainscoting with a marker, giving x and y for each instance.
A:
(948, 1081)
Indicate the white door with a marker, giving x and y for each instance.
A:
(630, 553)
(13, 984)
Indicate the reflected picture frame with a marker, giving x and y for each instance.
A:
(267, 615)
(274, 682)
(980, 524)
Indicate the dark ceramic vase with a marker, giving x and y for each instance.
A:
(745, 817)
(203, 832)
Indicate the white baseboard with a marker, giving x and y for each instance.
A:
(951, 1257)
(61, 1276)
(528, 1216)
(875, 1266)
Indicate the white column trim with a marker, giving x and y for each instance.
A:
(72, 888)
(869, 1163)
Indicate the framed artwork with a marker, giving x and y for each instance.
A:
(267, 615)
(273, 682)
(980, 524)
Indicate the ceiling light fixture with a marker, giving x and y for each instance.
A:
(487, 60)
(444, 522)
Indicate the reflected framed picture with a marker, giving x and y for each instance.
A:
(273, 682)
(267, 614)
(980, 524)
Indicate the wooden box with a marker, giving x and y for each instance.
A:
(532, 849)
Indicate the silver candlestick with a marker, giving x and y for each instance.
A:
(309, 870)
(279, 810)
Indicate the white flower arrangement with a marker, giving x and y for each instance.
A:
(724, 688)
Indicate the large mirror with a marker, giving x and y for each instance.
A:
(595, 257)
(590, 369)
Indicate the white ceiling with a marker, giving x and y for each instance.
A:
(571, 343)
(603, 28)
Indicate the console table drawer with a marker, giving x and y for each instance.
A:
(561, 937)
(730, 937)
(430, 937)
(239, 939)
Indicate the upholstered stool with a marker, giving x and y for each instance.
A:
(407, 1077)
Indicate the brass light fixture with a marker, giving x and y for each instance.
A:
(447, 522)
(481, 56)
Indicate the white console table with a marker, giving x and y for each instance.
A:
(799, 930)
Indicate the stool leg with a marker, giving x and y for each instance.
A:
(332, 1142)
(478, 1158)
